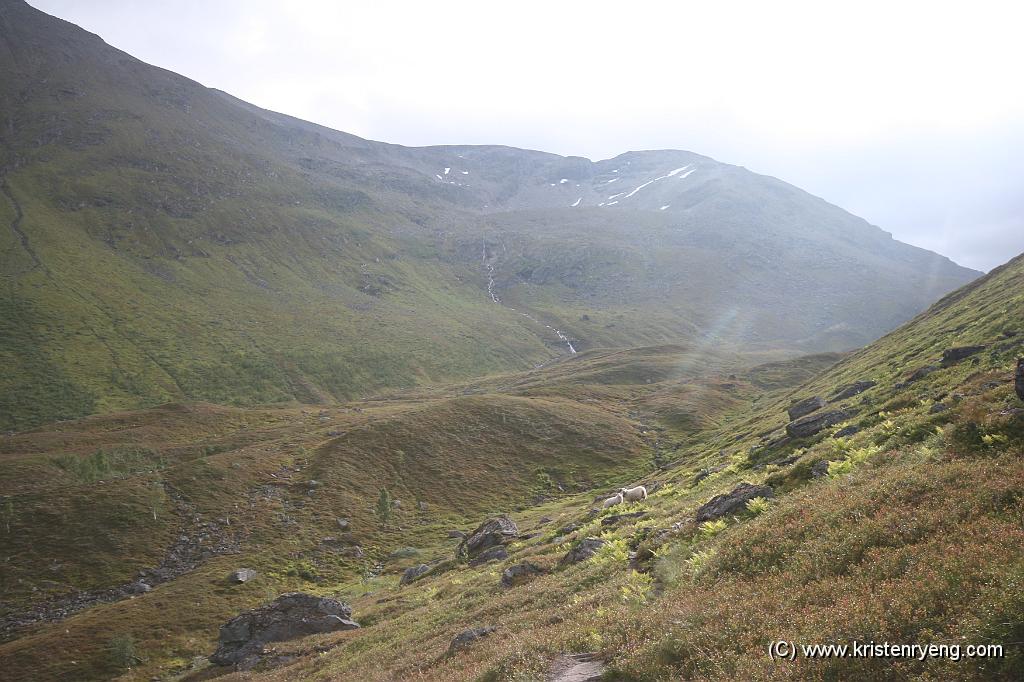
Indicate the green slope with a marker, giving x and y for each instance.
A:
(165, 241)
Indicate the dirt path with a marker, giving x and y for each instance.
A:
(576, 668)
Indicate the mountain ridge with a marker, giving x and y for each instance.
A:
(165, 218)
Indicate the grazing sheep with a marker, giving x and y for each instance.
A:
(634, 494)
(612, 501)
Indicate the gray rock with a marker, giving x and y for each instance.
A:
(465, 638)
(815, 423)
(582, 551)
(412, 573)
(571, 528)
(937, 408)
(820, 469)
(804, 407)
(544, 520)
(344, 524)
(456, 534)
(242, 575)
(1019, 381)
(138, 587)
(615, 518)
(846, 431)
(290, 616)
(851, 390)
(499, 530)
(515, 575)
(733, 502)
(951, 356)
(496, 553)
(422, 506)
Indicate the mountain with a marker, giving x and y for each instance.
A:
(168, 242)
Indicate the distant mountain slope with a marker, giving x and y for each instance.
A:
(165, 241)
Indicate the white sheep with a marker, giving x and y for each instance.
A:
(634, 494)
(612, 501)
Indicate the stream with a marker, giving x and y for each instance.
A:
(494, 299)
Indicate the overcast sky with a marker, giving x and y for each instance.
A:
(908, 114)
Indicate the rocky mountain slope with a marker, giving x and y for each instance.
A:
(164, 241)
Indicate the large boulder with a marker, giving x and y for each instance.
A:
(496, 553)
(951, 356)
(585, 549)
(292, 615)
(242, 575)
(412, 573)
(493, 532)
(1019, 384)
(804, 407)
(851, 390)
(465, 638)
(814, 423)
(733, 502)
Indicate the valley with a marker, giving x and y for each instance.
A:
(540, 446)
(282, 403)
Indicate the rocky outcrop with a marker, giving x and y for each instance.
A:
(242, 575)
(290, 616)
(496, 553)
(804, 407)
(813, 424)
(493, 532)
(520, 573)
(951, 356)
(412, 573)
(581, 552)
(1019, 382)
(733, 502)
(851, 390)
(465, 638)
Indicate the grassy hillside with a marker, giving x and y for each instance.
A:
(163, 241)
(913, 535)
(909, 533)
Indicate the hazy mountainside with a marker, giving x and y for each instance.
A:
(899, 521)
(164, 241)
